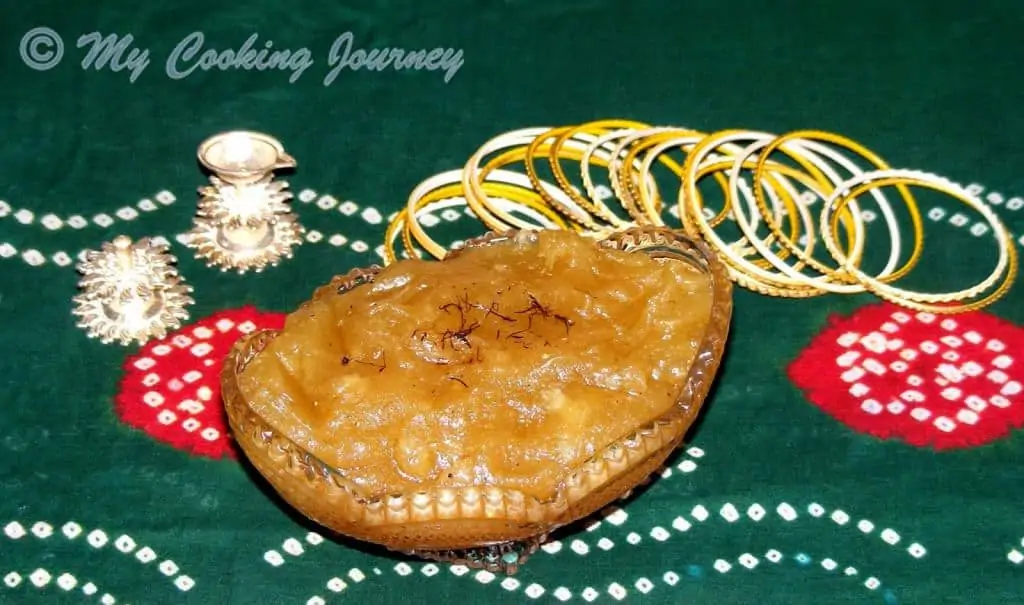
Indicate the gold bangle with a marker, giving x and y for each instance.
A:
(776, 264)
(601, 142)
(730, 202)
(564, 206)
(440, 197)
(586, 218)
(826, 282)
(919, 300)
(850, 216)
(621, 182)
(726, 140)
(471, 179)
(813, 157)
(516, 141)
(751, 277)
(535, 186)
(818, 184)
(578, 219)
(514, 196)
(781, 143)
(662, 142)
(595, 206)
(790, 277)
(510, 179)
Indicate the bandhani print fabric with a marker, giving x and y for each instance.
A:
(882, 373)
(932, 381)
(716, 524)
(171, 388)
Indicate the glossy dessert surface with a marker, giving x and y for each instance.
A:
(507, 365)
(462, 410)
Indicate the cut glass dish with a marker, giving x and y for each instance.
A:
(483, 526)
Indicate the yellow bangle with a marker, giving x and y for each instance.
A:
(621, 182)
(816, 167)
(471, 179)
(1007, 263)
(794, 276)
(495, 218)
(440, 199)
(667, 140)
(790, 278)
(566, 206)
(604, 141)
(577, 216)
(594, 205)
(742, 271)
(784, 143)
(817, 183)
(450, 196)
(781, 263)
(524, 196)
(585, 218)
(662, 142)
(787, 198)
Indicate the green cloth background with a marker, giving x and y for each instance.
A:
(929, 85)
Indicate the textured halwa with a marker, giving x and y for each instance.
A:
(507, 365)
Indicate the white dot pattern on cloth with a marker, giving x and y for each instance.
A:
(368, 214)
(699, 515)
(620, 590)
(681, 523)
(97, 539)
(292, 547)
(140, 210)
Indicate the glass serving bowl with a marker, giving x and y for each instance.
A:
(483, 527)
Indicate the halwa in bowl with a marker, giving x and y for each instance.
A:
(462, 410)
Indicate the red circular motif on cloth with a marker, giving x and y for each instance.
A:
(941, 381)
(171, 388)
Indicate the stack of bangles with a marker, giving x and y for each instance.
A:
(778, 233)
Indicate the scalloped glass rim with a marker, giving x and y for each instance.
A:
(478, 516)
